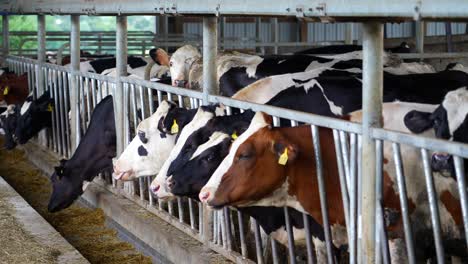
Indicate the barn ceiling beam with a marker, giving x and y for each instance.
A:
(350, 10)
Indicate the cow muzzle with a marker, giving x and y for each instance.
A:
(180, 83)
(160, 191)
(443, 163)
(122, 175)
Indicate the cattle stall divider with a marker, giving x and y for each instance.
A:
(225, 231)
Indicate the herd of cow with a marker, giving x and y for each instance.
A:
(243, 160)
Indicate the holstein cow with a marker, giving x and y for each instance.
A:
(269, 166)
(340, 49)
(7, 125)
(236, 70)
(93, 155)
(149, 149)
(34, 116)
(449, 121)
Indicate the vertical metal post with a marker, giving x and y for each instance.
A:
(210, 49)
(372, 113)
(6, 34)
(258, 25)
(448, 36)
(41, 51)
(275, 34)
(419, 31)
(121, 66)
(75, 64)
(349, 33)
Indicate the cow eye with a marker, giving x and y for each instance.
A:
(245, 156)
(170, 64)
(209, 158)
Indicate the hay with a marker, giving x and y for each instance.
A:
(84, 228)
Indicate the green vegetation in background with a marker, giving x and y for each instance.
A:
(62, 23)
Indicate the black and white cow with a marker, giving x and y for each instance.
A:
(93, 155)
(33, 116)
(449, 121)
(340, 49)
(8, 120)
(237, 70)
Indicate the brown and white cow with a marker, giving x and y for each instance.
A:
(269, 166)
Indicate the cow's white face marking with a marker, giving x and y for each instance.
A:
(215, 139)
(456, 105)
(158, 147)
(9, 111)
(237, 59)
(199, 120)
(25, 107)
(181, 61)
(257, 123)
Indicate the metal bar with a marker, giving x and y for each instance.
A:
(458, 162)
(420, 32)
(404, 202)
(180, 209)
(258, 241)
(75, 64)
(258, 28)
(309, 243)
(121, 66)
(382, 251)
(192, 213)
(210, 49)
(372, 112)
(349, 33)
(432, 197)
(275, 34)
(289, 229)
(342, 176)
(67, 86)
(448, 34)
(62, 113)
(242, 234)
(322, 192)
(6, 35)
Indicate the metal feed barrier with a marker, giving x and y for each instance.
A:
(225, 231)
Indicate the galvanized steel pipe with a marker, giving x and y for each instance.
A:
(210, 49)
(75, 64)
(372, 115)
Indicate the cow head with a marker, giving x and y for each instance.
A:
(8, 120)
(148, 150)
(33, 117)
(189, 178)
(201, 118)
(253, 168)
(449, 121)
(66, 188)
(179, 63)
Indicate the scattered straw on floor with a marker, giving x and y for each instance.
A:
(84, 228)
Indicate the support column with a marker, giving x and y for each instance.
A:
(258, 26)
(372, 114)
(75, 64)
(6, 37)
(448, 36)
(349, 33)
(210, 49)
(275, 33)
(41, 53)
(121, 67)
(419, 33)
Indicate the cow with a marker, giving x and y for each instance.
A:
(269, 166)
(149, 149)
(34, 115)
(8, 119)
(13, 89)
(340, 49)
(236, 70)
(449, 121)
(93, 155)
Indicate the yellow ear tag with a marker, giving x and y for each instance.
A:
(5, 92)
(50, 108)
(175, 128)
(283, 159)
(234, 136)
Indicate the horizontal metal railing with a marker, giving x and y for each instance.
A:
(228, 233)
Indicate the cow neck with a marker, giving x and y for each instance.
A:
(81, 163)
(302, 173)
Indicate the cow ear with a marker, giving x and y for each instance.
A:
(153, 55)
(418, 122)
(285, 152)
(161, 57)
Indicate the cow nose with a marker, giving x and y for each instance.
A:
(440, 157)
(180, 83)
(155, 188)
(204, 195)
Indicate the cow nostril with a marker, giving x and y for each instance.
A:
(155, 189)
(204, 196)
